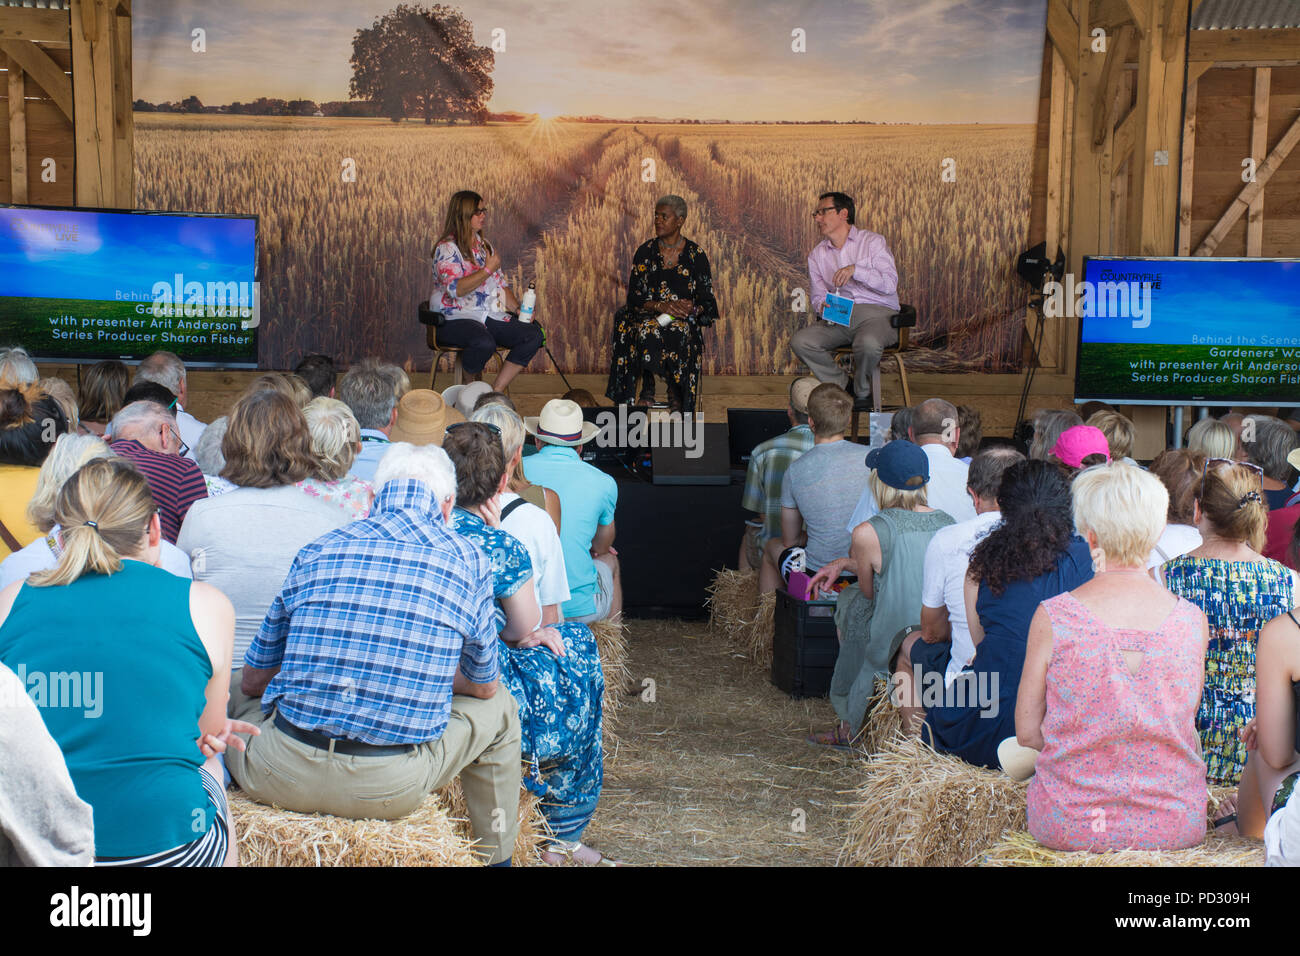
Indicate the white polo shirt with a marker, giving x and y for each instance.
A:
(946, 490)
(943, 584)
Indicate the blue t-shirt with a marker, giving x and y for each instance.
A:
(118, 672)
(587, 500)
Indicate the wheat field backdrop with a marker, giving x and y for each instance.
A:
(348, 262)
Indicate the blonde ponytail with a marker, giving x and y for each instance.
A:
(102, 511)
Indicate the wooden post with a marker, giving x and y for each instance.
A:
(92, 87)
(1055, 148)
(123, 117)
(1160, 96)
(1187, 168)
(1258, 150)
(17, 135)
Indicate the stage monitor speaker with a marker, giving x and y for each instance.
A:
(748, 428)
(672, 466)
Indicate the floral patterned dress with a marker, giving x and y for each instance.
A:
(559, 698)
(1238, 597)
(641, 347)
(354, 495)
(449, 267)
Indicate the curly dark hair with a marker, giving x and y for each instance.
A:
(1036, 527)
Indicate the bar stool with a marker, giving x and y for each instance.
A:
(432, 321)
(904, 320)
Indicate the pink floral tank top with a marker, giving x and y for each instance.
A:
(1121, 767)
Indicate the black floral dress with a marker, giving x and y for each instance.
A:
(642, 348)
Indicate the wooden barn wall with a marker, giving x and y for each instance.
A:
(49, 135)
(1225, 99)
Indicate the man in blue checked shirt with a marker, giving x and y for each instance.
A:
(376, 668)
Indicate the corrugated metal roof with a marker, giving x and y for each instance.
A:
(39, 4)
(1246, 14)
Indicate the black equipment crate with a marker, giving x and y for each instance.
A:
(804, 646)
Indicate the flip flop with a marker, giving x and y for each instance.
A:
(837, 739)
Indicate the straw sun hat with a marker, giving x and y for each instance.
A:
(423, 417)
(561, 423)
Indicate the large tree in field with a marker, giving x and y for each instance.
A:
(422, 61)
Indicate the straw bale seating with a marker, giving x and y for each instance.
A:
(1021, 849)
(611, 642)
(745, 619)
(436, 834)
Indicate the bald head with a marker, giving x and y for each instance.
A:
(935, 421)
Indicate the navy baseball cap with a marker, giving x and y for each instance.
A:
(899, 463)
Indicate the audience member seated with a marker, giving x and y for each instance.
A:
(933, 426)
(209, 458)
(1048, 425)
(888, 556)
(1272, 442)
(1118, 430)
(1279, 538)
(533, 526)
(1179, 470)
(1213, 438)
(30, 421)
(17, 370)
(145, 433)
(1239, 590)
(818, 490)
(66, 458)
(498, 398)
(319, 374)
(168, 370)
(335, 441)
(353, 672)
(1111, 683)
(284, 382)
(496, 414)
(158, 649)
(588, 498)
(1079, 447)
(768, 464)
(1272, 738)
(464, 397)
(1031, 556)
(243, 542)
(581, 397)
(42, 820)
(103, 387)
(943, 645)
(900, 424)
(554, 673)
(371, 396)
(972, 433)
(62, 393)
(423, 417)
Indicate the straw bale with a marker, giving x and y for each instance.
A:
(921, 808)
(437, 833)
(745, 618)
(1021, 849)
(615, 661)
(884, 721)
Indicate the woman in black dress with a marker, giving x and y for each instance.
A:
(670, 278)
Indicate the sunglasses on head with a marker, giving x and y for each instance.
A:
(1229, 461)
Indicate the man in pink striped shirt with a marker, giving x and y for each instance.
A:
(857, 264)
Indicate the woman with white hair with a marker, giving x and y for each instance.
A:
(335, 442)
(1111, 684)
(69, 453)
(669, 303)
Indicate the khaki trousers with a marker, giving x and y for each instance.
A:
(480, 745)
(868, 332)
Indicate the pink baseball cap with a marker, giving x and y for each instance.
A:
(1077, 443)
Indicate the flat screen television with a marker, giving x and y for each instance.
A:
(1186, 330)
(84, 285)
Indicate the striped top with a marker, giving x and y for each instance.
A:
(176, 482)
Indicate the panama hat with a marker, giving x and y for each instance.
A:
(1293, 459)
(1016, 761)
(423, 417)
(799, 392)
(561, 424)
(463, 397)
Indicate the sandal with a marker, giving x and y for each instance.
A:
(838, 738)
(645, 401)
(567, 851)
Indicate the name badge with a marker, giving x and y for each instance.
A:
(838, 309)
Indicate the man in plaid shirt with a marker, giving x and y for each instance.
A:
(374, 675)
(767, 467)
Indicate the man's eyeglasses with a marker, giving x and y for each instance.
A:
(494, 428)
(184, 448)
(822, 210)
(1230, 461)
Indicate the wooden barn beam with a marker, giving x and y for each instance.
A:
(1112, 72)
(1160, 99)
(1064, 32)
(1055, 150)
(92, 77)
(34, 26)
(17, 136)
(1187, 167)
(1175, 30)
(1244, 46)
(1139, 12)
(49, 76)
(1263, 173)
(1125, 137)
(1258, 147)
(123, 117)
